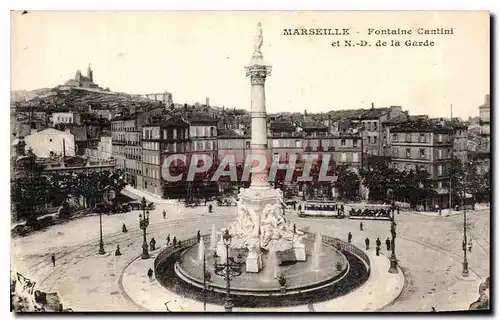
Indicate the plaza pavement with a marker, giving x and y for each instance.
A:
(428, 249)
(379, 291)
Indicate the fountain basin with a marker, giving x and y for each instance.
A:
(300, 275)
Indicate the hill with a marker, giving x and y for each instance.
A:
(74, 99)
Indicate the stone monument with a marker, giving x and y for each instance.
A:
(261, 224)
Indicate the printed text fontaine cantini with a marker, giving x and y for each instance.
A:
(368, 31)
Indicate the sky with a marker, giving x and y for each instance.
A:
(195, 55)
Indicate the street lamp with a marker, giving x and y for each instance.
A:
(393, 269)
(143, 224)
(465, 264)
(229, 270)
(207, 277)
(101, 243)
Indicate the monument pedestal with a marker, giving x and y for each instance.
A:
(300, 252)
(254, 261)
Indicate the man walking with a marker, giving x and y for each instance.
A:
(198, 236)
(349, 237)
(53, 257)
(388, 244)
(164, 214)
(378, 243)
(470, 244)
(174, 241)
(168, 239)
(367, 243)
(361, 226)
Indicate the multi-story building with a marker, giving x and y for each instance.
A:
(104, 149)
(347, 150)
(126, 133)
(375, 140)
(482, 154)
(425, 145)
(203, 136)
(174, 135)
(484, 119)
(284, 140)
(50, 142)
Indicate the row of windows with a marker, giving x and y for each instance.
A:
(422, 153)
(176, 147)
(202, 131)
(127, 126)
(63, 119)
(203, 146)
(151, 145)
(152, 173)
(370, 126)
(343, 157)
(152, 159)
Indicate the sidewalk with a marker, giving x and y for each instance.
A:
(447, 213)
(138, 194)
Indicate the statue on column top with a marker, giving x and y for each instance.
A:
(259, 39)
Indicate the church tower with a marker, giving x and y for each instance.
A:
(90, 74)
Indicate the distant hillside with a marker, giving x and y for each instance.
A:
(23, 95)
(75, 99)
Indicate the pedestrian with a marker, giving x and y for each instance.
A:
(164, 214)
(436, 207)
(439, 209)
(205, 201)
(124, 228)
(174, 241)
(388, 243)
(397, 208)
(53, 257)
(118, 252)
(210, 209)
(152, 244)
(349, 237)
(470, 245)
(342, 208)
(378, 242)
(361, 226)
(168, 239)
(367, 243)
(198, 236)
(377, 249)
(150, 274)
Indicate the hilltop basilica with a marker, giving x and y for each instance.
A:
(83, 81)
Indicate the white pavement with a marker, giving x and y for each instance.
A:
(136, 193)
(428, 249)
(380, 290)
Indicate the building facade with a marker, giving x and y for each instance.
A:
(428, 146)
(49, 142)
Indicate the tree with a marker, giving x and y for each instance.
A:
(466, 180)
(29, 189)
(347, 182)
(380, 179)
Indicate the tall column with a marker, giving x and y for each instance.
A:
(258, 72)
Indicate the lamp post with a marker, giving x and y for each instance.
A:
(207, 277)
(393, 269)
(101, 243)
(465, 264)
(229, 270)
(143, 224)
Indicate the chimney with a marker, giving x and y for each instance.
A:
(207, 101)
(373, 105)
